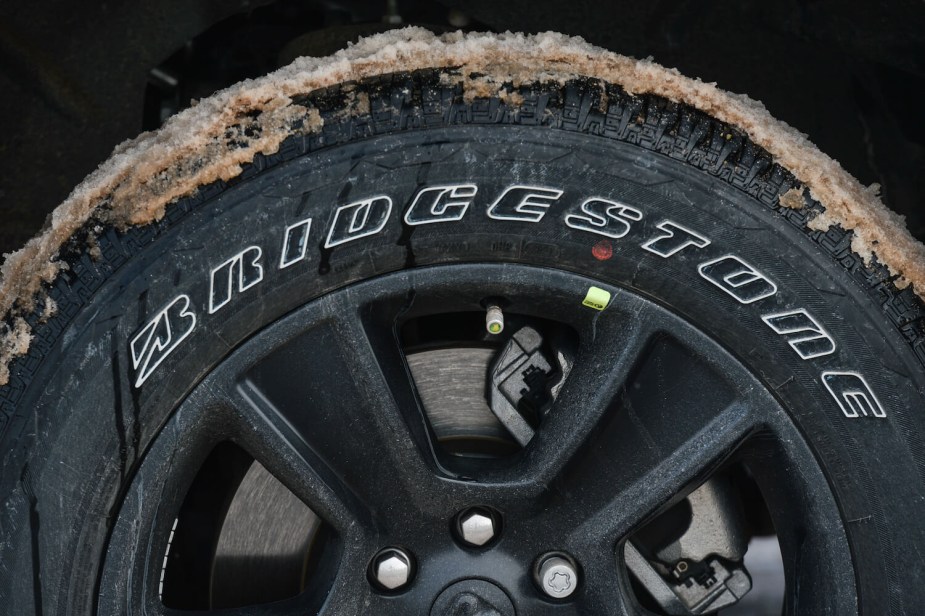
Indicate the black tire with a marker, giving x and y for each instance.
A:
(695, 226)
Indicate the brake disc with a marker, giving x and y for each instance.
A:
(451, 385)
(265, 540)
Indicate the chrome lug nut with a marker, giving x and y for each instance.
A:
(557, 576)
(477, 527)
(391, 569)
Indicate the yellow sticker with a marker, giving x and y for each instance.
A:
(596, 298)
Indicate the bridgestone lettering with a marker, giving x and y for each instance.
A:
(360, 219)
(160, 336)
(237, 274)
(738, 279)
(603, 217)
(295, 243)
(440, 204)
(523, 203)
(448, 203)
(673, 239)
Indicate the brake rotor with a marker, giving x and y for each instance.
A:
(264, 543)
(451, 385)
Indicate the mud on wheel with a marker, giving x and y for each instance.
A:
(518, 329)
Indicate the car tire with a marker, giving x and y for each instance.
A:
(638, 199)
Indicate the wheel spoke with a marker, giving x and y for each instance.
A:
(651, 430)
(589, 395)
(623, 492)
(603, 593)
(343, 407)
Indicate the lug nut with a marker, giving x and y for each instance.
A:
(494, 320)
(557, 576)
(391, 569)
(477, 527)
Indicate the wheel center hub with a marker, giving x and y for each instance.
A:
(473, 598)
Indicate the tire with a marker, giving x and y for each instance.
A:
(536, 194)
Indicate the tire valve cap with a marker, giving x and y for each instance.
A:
(557, 576)
(494, 320)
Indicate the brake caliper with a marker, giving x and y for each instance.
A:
(701, 571)
(524, 382)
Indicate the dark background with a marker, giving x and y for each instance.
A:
(76, 78)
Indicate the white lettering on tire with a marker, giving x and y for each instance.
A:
(160, 336)
(523, 203)
(359, 219)
(440, 204)
(603, 217)
(295, 243)
(738, 279)
(804, 334)
(673, 239)
(854, 396)
(244, 269)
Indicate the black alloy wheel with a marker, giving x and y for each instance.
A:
(325, 401)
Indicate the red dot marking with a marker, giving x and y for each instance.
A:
(602, 250)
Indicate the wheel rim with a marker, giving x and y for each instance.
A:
(326, 402)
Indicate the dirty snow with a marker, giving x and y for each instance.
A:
(793, 199)
(14, 343)
(146, 174)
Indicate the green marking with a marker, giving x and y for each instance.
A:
(596, 298)
(495, 328)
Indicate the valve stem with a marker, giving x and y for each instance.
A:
(494, 320)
